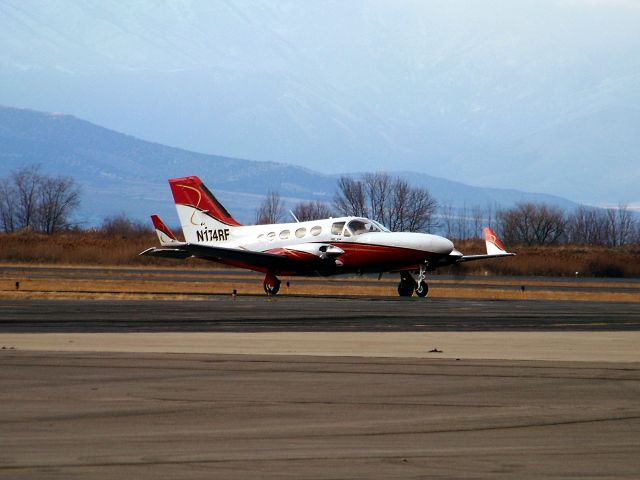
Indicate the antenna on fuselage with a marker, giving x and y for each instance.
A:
(294, 216)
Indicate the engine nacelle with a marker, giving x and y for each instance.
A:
(322, 250)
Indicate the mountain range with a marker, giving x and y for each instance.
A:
(538, 95)
(120, 173)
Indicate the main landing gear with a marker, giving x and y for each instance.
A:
(271, 284)
(408, 284)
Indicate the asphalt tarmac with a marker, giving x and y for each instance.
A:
(299, 314)
(115, 416)
(108, 415)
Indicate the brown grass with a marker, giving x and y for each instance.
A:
(137, 288)
(82, 248)
(560, 261)
(93, 248)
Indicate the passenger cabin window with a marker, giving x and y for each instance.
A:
(301, 232)
(284, 234)
(336, 228)
(316, 230)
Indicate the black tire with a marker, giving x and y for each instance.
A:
(272, 289)
(405, 289)
(422, 289)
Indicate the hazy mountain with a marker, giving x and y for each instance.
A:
(539, 95)
(120, 173)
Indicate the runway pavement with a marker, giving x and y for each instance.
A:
(100, 414)
(264, 314)
(67, 416)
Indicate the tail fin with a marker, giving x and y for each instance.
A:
(202, 216)
(165, 235)
(494, 245)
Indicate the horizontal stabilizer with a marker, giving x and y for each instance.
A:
(165, 235)
(166, 252)
(494, 245)
(495, 249)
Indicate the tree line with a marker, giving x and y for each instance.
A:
(400, 207)
(387, 199)
(32, 200)
(541, 224)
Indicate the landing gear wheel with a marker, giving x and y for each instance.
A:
(271, 284)
(407, 285)
(422, 289)
(405, 289)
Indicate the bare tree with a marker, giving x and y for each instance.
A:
(378, 189)
(476, 218)
(312, 210)
(351, 198)
(587, 226)
(532, 224)
(57, 198)
(620, 225)
(29, 199)
(447, 213)
(593, 226)
(8, 208)
(389, 200)
(462, 224)
(27, 182)
(271, 210)
(396, 216)
(420, 211)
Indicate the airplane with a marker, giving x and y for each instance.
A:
(332, 246)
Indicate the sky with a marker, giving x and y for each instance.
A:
(538, 95)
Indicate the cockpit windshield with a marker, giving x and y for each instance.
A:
(358, 226)
(380, 226)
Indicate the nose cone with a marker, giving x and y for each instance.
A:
(440, 245)
(416, 241)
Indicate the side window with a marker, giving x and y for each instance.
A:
(316, 230)
(284, 234)
(301, 232)
(261, 237)
(336, 228)
(271, 236)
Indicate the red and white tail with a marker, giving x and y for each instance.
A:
(494, 245)
(165, 235)
(202, 216)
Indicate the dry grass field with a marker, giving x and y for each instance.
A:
(96, 248)
(119, 283)
(108, 256)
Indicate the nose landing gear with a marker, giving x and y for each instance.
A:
(422, 289)
(271, 284)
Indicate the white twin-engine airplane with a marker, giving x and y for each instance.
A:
(320, 247)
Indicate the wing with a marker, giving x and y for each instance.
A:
(494, 246)
(470, 258)
(279, 259)
(222, 254)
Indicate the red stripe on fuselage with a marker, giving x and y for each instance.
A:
(358, 257)
(367, 256)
